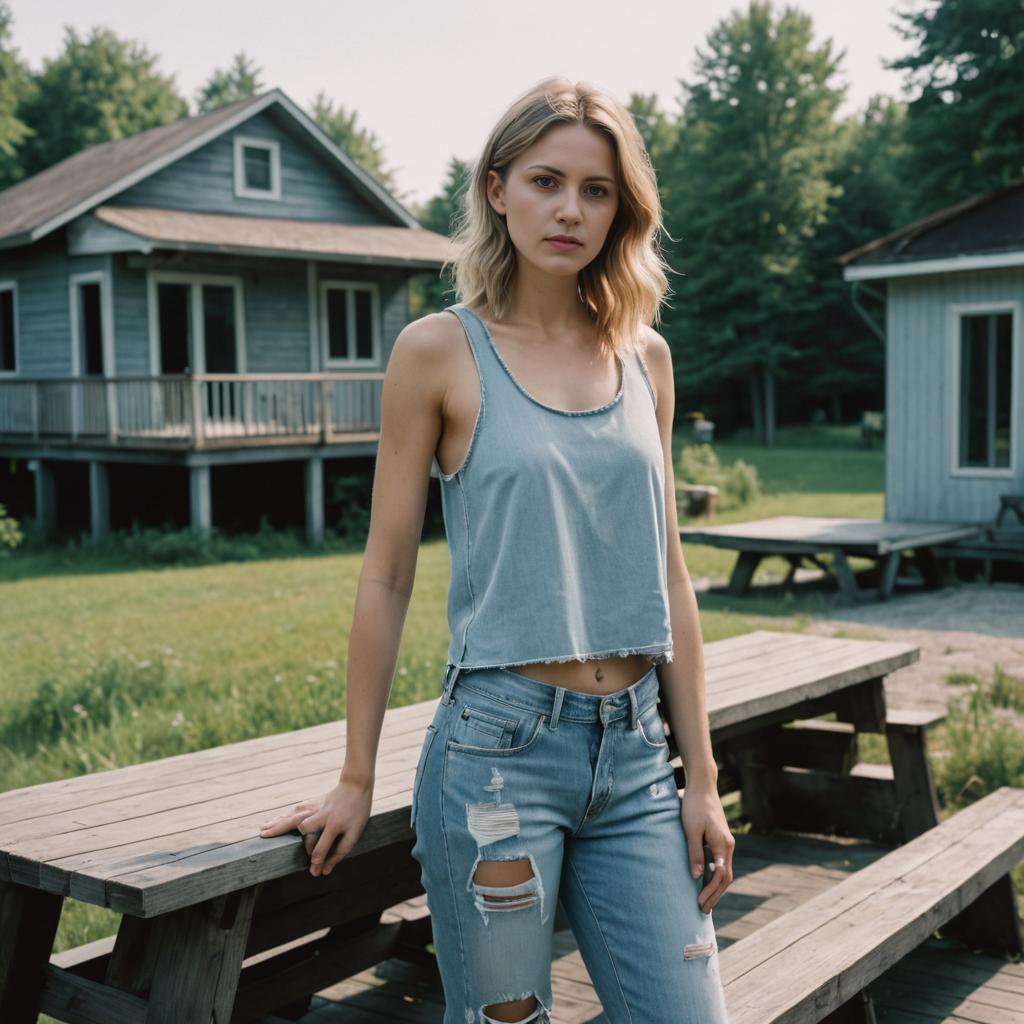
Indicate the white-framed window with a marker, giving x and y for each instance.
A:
(257, 168)
(985, 361)
(349, 323)
(91, 336)
(8, 328)
(196, 323)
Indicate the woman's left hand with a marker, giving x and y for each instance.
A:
(704, 823)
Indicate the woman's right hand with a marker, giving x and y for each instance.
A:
(340, 814)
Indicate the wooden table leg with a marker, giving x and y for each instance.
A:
(28, 925)
(912, 779)
(186, 962)
(743, 571)
(848, 590)
(890, 567)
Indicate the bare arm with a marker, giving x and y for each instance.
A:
(683, 678)
(412, 406)
(411, 422)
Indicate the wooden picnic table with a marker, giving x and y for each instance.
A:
(220, 924)
(806, 538)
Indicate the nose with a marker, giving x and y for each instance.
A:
(570, 210)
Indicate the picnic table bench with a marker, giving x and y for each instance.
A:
(807, 538)
(216, 921)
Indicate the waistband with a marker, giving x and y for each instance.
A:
(557, 702)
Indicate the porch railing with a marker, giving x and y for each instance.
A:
(192, 410)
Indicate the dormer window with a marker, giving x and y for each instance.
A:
(257, 168)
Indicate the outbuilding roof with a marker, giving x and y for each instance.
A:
(985, 231)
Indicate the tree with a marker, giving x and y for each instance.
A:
(238, 81)
(15, 87)
(747, 186)
(966, 125)
(431, 293)
(841, 357)
(98, 89)
(361, 144)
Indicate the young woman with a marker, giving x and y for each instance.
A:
(544, 775)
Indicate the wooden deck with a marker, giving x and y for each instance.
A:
(191, 411)
(939, 983)
(805, 538)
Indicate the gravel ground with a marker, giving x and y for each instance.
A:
(971, 627)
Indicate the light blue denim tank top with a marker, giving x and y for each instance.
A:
(556, 524)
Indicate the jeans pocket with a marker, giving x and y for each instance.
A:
(482, 726)
(424, 750)
(651, 728)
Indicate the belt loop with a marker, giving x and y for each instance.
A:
(634, 718)
(450, 677)
(556, 709)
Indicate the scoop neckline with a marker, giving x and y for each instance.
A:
(562, 412)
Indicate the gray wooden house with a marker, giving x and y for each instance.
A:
(952, 285)
(221, 290)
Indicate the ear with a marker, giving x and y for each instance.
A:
(496, 192)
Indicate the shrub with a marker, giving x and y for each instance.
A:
(738, 484)
(10, 532)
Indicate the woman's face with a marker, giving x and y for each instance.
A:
(564, 184)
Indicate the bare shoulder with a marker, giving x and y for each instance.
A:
(423, 352)
(428, 339)
(657, 357)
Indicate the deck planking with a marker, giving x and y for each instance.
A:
(940, 982)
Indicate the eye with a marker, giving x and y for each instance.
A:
(601, 190)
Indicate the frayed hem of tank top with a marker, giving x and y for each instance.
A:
(660, 656)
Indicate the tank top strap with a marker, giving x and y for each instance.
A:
(488, 368)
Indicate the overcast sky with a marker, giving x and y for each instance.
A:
(429, 79)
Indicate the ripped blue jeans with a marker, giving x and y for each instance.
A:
(578, 788)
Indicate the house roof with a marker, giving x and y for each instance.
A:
(38, 205)
(985, 231)
(150, 228)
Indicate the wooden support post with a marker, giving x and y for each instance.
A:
(200, 501)
(46, 497)
(863, 705)
(199, 950)
(314, 480)
(890, 567)
(99, 499)
(848, 592)
(743, 571)
(912, 777)
(28, 925)
(991, 923)
(857, 1010)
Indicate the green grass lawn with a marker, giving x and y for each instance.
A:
(106, 667)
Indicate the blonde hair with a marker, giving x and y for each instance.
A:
(624, 285)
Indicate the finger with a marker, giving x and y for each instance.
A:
(696, 847)
(282, 823)
(322, 849)
(720, 879)
(345, 844)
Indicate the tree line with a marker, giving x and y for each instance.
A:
(763, 184)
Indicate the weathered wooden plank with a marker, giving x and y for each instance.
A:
(837, 942)
(77, 1000)
(810, 534)
(67, 794)
(396, 753)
